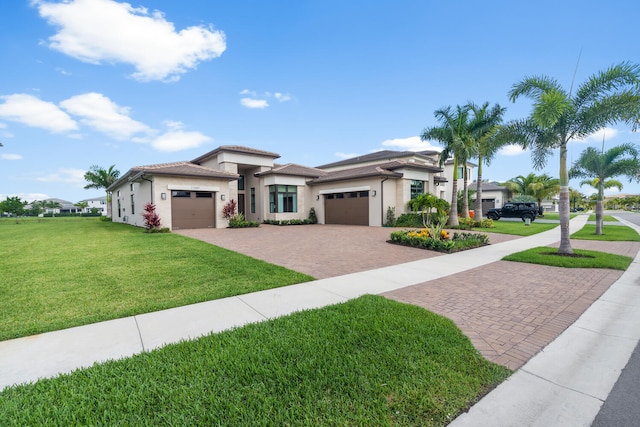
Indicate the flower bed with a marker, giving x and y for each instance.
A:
(443, 243)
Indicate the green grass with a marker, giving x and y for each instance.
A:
(556, 216)
(369, 361)
(517, 228)
(592, 217)
(59, 273)
(546, 255)
(610, 233)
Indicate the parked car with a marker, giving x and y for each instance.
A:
(522, 210)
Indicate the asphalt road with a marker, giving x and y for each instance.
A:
(622, 407)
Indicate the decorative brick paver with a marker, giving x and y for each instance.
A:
(509, 310)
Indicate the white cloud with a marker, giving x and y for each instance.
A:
(282, 97)
(511, 150)
(178, 140)
(104, 115)
(254, 103)
(346, 155)
(412, 143)
(97, 31)
(597, 137)
(29, 110)
(10, 156)
(29, 197)
(65, 175)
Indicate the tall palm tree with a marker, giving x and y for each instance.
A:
(485, 128)
(558, 116)
(454, 133)
(53, 205)
(599, 167)
(98, 177)
(539, 187)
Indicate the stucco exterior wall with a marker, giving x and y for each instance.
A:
(164, 185)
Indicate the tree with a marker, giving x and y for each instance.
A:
(425, 204)
(558, 116)
(53, 205)
(575, 197)
(13, 206)
(37, 207)
(82, 206)
(600, 167)
(485, 128)
(454, 133)
(539, 187)
(98, 178)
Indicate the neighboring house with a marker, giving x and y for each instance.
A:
(493, 195)
(355, 191)
(99, 203)
(65, 207)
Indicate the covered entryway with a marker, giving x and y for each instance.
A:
(349, 208)
(192, 209)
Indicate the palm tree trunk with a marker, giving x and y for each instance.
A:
(565, 241)
(453, 213)
(600, 207)
(465, 193)
(477, 206)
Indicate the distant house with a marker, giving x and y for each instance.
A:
(99, 203)
(493, 195)
(356, 191)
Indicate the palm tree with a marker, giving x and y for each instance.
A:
(82, 206)
(539, 187)
(454, 133)
(98, 177)
(575, 197)
(53, 205)
(485, 130)
(558, 116)
(599, 167)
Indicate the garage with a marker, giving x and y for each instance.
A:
(349, 208)
(192, 209)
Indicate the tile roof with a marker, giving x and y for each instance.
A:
(293, 169)
(355, 173)
(235, 149)
(380, 156)
(184, 169)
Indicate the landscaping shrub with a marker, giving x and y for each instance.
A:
(151, 218)
(391, 217)
(238, 221)
(443, 243)
(409, 220)
(313, 218)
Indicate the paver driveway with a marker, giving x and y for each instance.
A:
(509, 310)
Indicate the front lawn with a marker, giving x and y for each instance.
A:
(517, 228)
(369, 361)
(609, 233)
(546, 255)
(58, 273)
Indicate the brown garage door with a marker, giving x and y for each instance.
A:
(192, 209)
(350, 208)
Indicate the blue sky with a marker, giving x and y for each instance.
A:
(102, 82)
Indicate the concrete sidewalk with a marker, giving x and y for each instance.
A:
(556, 385)
(567, 383)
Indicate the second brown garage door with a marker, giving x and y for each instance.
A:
(192, 209)
(350, 208)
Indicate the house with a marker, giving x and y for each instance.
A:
(99, 203)
(493, 195)
(356, 191)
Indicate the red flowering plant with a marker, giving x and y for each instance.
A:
(151, 218)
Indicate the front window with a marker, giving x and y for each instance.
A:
(133, 205)
(241, 183)
(253, 200)
(283, 198)
(417, 188)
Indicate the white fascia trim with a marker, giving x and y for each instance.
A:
(345, 189)
(186, 187)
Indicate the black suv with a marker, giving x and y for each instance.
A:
(522, 210)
